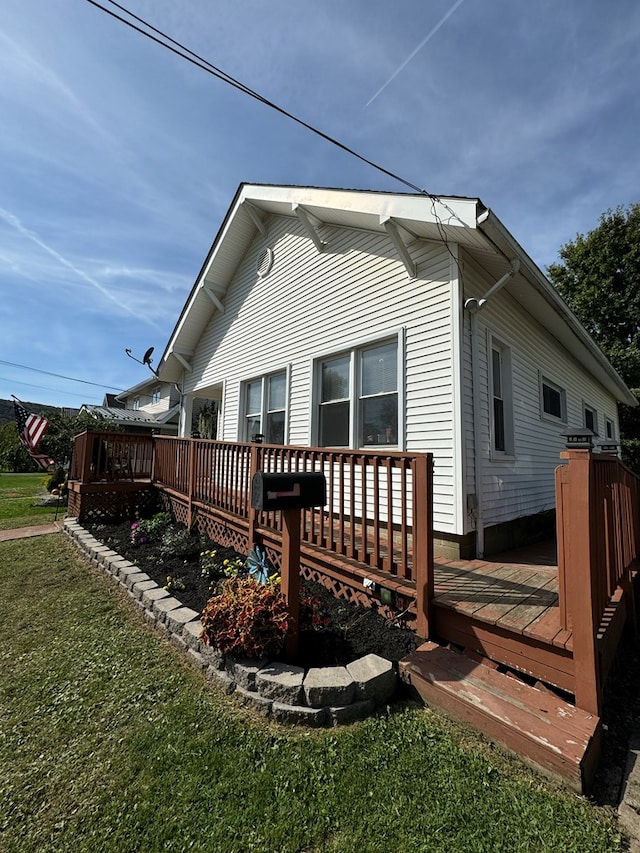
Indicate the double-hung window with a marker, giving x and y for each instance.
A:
(265, 408)
(553, 400)
(500, 395)
(590, 416)
(358, 397)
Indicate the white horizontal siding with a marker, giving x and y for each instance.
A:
(524, 484)
(318, 303)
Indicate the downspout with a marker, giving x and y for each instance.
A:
(474, 306)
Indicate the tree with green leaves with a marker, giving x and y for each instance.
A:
(599, 277)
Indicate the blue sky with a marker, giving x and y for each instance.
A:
(118, 160)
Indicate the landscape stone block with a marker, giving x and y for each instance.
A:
(152, 594)
(179, 617)
(299, 715)
(328, 686)
(178, 642)
(141, 587)
(281, 682)
(213, 657)
(374, 677)
(244, 670)
(191, 634)
(253, 700)
(135, 577)
(163, 605)
(221, 679)
(196, 659)
(351, 713)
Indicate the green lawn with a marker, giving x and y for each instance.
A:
(18, 494)
(109, 741)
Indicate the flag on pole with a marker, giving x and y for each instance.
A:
(31, 428)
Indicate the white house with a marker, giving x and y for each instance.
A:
(351, 318)
(149, 406)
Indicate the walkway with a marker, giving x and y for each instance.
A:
(28, 532)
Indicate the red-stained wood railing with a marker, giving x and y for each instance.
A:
(598, 529)
(378, 512)
(110, 456)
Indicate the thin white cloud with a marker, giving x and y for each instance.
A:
(15, 223)
(417, 50)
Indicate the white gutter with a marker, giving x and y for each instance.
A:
(474, 306)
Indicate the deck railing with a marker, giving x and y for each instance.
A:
(379, 504)
(109, 456)
(598, 529)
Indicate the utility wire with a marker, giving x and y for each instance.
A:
(59, 375)
(202, 63)
(190, 56)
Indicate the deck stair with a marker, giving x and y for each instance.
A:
(531, 721)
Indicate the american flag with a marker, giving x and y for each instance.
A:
(31, 428)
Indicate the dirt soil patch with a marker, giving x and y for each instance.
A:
(352, 630)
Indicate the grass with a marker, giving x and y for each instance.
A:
(110, 741)
(18, 494)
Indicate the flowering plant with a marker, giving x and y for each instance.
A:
(138, 534)
(245, 618)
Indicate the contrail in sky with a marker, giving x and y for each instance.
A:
(417, 50)
(15, 223)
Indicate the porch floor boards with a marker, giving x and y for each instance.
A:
(516, 591)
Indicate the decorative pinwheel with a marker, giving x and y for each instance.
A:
(258, 565)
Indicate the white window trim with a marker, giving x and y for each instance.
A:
(596, 425)
(243, 401)
(545, 379)
(509, 453)
(397, 335)
(610, 427)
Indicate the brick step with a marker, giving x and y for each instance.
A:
(532, 722)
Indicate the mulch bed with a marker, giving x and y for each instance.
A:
(353, 630)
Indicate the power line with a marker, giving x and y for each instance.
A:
(202, 63)
(194, 58)
(42, 388)
(59, 376)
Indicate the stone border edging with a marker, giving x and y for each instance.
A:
(323, 696)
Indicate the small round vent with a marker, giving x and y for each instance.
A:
(265, 262)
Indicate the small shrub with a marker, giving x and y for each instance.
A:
(138, 534)
(56, 480)
(155, 526)
(215, 568)
(245, 618)
(179, 542)
(174, 584)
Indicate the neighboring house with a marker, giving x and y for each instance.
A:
(150, 406)
(356, 319)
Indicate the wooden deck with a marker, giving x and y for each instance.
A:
(516, 591)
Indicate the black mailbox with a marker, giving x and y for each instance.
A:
(288, 491)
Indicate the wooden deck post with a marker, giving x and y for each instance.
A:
(191, 462)
(290, 577)
(579, 560)
(423, 542)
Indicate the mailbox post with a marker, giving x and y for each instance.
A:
(289, 493)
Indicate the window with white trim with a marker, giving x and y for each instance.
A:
(155, 396)
(590, 418)
(265, 408)
(610, 428)
(501, 411)
(357, 393)
(136, 404)
(553, 401)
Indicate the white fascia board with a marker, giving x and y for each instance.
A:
(441, 210)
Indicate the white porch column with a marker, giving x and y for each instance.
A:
(186, 415)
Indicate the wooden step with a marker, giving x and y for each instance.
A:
(534, 723)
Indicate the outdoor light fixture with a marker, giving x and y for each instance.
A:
(612, 447)
(387, 596)
(579, 439)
